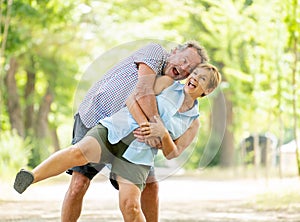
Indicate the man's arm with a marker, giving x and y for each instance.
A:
(135, 110)
(144, 92)
(142, 103)
(135, 106)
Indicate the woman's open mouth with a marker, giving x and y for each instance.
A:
(192, 83)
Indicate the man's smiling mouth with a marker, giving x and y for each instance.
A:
(175, 71)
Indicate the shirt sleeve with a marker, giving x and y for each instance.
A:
(153, 55)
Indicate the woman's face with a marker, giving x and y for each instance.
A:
(197, 82)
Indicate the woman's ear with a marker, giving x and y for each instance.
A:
(208, 91)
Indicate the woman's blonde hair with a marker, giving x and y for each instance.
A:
(215, 75)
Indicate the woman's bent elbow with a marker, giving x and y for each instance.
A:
(172, 155)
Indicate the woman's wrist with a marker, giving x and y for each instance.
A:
(164, 134)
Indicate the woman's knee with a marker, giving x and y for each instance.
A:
(130, 205)
(129, 198)
(90, 149)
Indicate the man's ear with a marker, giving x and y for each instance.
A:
(173, 51)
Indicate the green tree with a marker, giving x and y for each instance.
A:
(247, 41)
(41, 59)
(292, 17)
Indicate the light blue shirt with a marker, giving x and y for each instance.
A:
(169, 101)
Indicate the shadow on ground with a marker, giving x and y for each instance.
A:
(182, 199)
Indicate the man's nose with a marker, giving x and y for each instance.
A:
(184, 71)
(185, 67)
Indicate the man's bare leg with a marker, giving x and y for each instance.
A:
(150, 200)
(72, 204)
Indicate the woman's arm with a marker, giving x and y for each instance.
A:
(172, 149)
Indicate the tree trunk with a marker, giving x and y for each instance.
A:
(6, 20)
(227, 146)
(29, 100)
(295, 112)
(55, 140)
(13, 101)
(221, 124)
(41, 127)
(41, 131)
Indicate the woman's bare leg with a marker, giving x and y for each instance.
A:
(83, 152)
(129, 201)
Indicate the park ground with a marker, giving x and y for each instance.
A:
(183, 198)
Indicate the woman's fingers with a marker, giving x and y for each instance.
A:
(143, 130)
(148, 130)
(145, 124)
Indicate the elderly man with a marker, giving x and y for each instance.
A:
(135, 73)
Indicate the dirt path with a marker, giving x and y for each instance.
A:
(182, 199)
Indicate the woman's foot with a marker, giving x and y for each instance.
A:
(23, 180)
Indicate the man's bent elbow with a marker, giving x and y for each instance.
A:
(142, 92)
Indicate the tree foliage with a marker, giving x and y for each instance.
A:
(255, 44)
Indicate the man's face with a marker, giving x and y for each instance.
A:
(181, 63)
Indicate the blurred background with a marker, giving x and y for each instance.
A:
(249, 126)
(251, 122)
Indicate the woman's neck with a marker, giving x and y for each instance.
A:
(187, 104)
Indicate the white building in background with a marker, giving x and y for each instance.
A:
(288, 158)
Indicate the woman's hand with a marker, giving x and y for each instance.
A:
(148, 129)
(151, 133)
(157, 129)
(143, 131)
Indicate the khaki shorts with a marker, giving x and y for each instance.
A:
(112, 154)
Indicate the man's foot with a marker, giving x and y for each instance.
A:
(23, 180)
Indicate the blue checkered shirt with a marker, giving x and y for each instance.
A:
(109, 94)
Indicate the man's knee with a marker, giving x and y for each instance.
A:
(79, 185)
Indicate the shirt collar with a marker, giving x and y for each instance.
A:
(193, 111)
(164, 63)
(178, 88)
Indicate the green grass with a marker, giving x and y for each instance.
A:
(278, 201)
